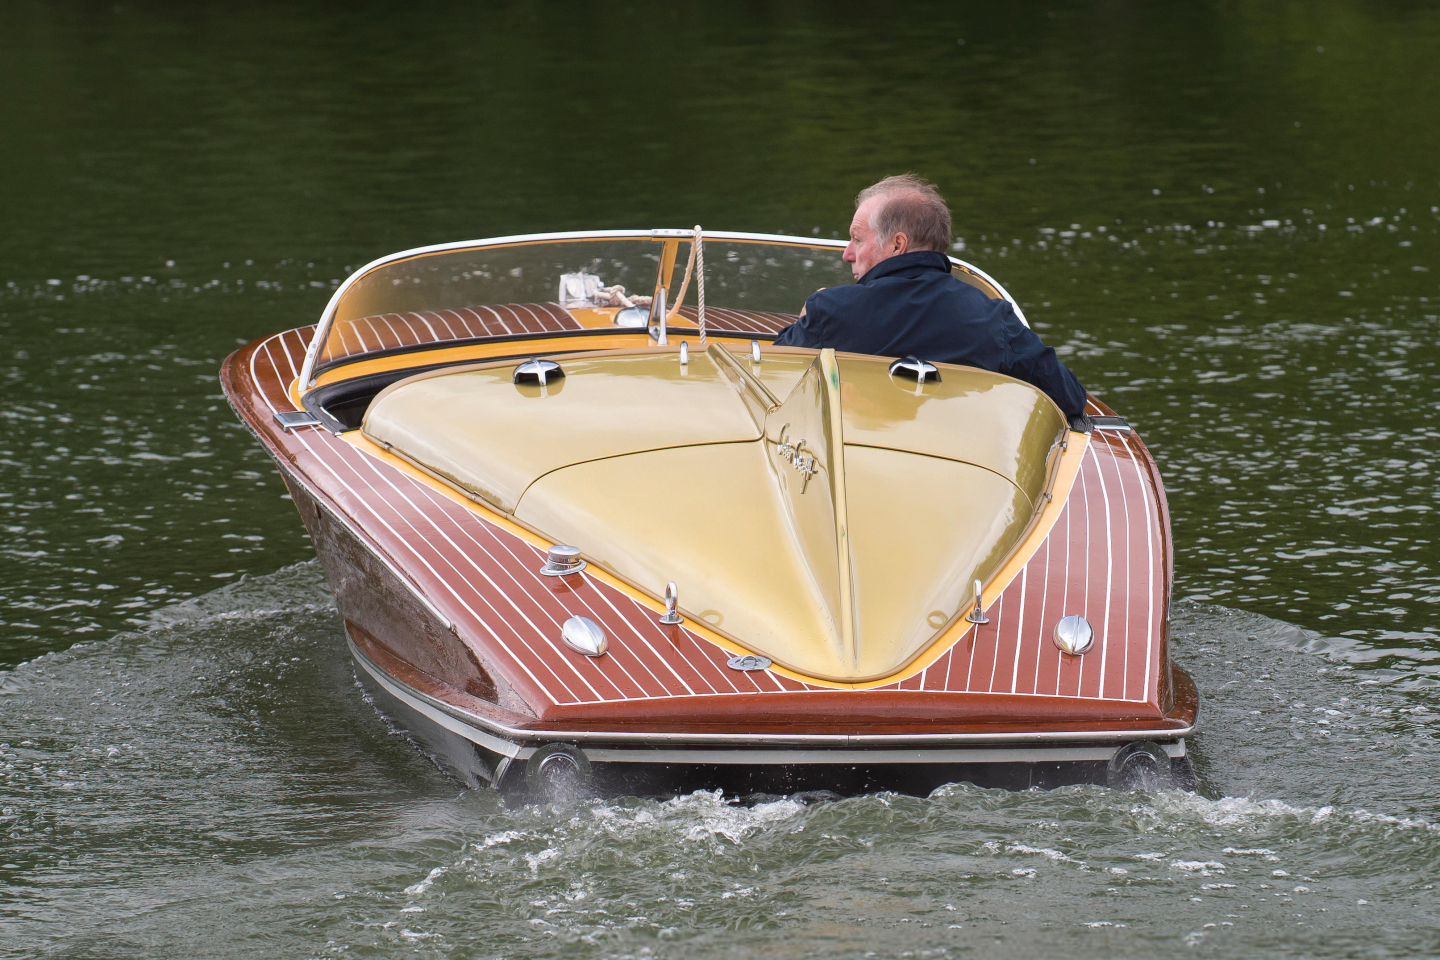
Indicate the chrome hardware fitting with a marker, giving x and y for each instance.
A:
(684, 353)
(562, 559)
(748, 663)
(657, 317)
(977, 615)
(754, 351)
(672, 598)
(584, 635)
(1074, 635)
(921, 371)
(631, 317)
(538, 371)
(1117, 424)
(290, 419)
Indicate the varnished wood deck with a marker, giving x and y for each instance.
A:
(1107, 558)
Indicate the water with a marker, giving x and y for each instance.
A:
(217, 785)
(174, 782)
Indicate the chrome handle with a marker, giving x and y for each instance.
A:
(977, 615)
(672, 599)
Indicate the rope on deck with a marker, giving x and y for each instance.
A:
(698, 249)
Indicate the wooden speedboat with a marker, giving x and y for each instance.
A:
(584, 537)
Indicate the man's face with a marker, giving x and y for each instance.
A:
(866, 248)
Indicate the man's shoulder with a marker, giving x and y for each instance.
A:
(944, 287)
(836, 301)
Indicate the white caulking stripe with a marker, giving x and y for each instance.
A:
(647, 616)
(398, 483)
(1041, 563)
(1124, 650)
(737, 322)
(462, 323)
(1109, 565)
(428, 517)
(1040, 639)
(355, 497)
(1150, 547)
(445, 506)
(590, 672)
(530, 566)
(1019, 631)
(366, 503)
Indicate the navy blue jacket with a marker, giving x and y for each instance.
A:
(911, 305)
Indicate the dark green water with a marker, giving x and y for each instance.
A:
(177, 180)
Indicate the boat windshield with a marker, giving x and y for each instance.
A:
(534, 286)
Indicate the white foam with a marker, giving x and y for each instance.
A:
(1202, 867)
(495, 839)
(414, 890)
(1042, 851)
(535, 859)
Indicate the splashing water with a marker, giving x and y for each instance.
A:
(213, 776)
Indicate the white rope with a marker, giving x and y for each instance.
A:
(700, 278)
(684, 284)
(615, 297)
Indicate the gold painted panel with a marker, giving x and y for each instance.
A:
(840, 545)
(972, 415)
(916, 556)
(710, 519)
(494, 438)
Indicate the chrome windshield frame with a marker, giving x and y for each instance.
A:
(327, 317)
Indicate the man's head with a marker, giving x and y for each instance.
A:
(897, 215)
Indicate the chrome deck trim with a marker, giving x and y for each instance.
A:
(510, 741)
(1099, 754)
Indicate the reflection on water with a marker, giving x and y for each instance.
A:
(218, 778)
(1225, 220)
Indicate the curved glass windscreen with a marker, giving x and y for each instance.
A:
(526, 288)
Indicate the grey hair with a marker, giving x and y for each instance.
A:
(914, 207)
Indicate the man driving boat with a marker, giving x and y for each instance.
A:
(906, 302)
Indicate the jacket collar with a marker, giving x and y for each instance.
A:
(923, 259)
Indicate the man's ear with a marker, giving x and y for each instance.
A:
(900, 243)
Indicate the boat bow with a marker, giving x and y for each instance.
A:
(836, 532)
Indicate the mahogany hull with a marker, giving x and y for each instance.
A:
(457, 636)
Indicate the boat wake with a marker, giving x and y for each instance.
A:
(209, 778)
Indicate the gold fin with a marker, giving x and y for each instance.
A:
(758, 399)
(805, 448)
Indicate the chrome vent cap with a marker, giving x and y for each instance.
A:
(562, 559)
(1074, 635)
(910, 368)
(584, 635)
(538, 371)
